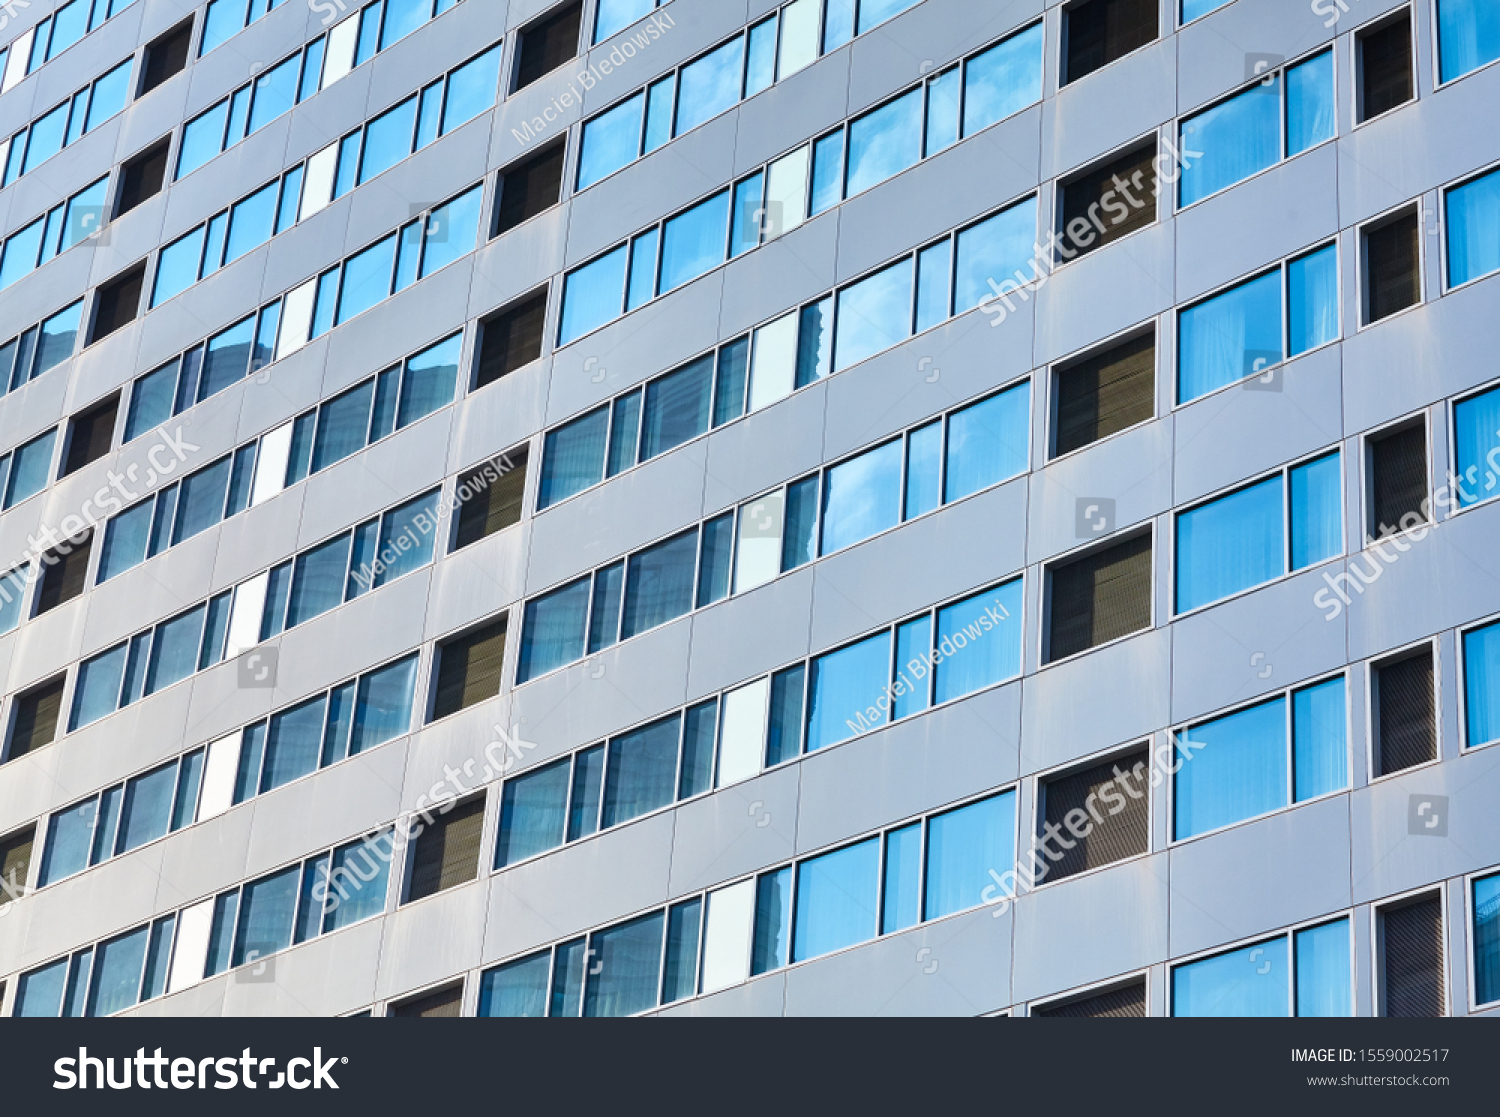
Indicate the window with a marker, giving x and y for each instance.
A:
(490, 498)
(1468, 37)
(1128, 178)
(1385, 66)
(1251, 327)
(446, 1002)
(469, 669)
(1273, 527)
(166, 55)
(1104, 393)
(12, 597)
(1404, 708)
(1097, 32)
(1099, 597)
(65, 571)
(529, 187)
(547, 43)
(1259, 759)
(1486, 937)
(1122, 1001)
(1392, 256)
(118, 302)
(511, 339)
(1104, 824)
(34, 717)
(91, 434)
(142, 176)
(1409, 945)
(1306, 973)
(39, 349)
(1473, 238)
(1281, 115)
(616, 15)
(446, 851)
(15, 863)
(29, 467)
(836, 900)
(101, 979)
(52, 131)
(1481, 651)
(1397, 470)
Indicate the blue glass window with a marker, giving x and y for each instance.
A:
(471, 89)
(1235, 139)
(964, 847)
(1313, 299)
(979, 640)
(592, 295)
(533, 813)
(837, 897)
(1003, 79)
(615, 15)
(388, 139)
(118, 965)
(625, 977)
(293, 743)
(367, 279)
(874, 314)
(147, 811)
(1228, 337)
(694, 242)
(97, 691)
(1468, 36)
(177, 267)
(69, 835)
(1482, 685)
(1473, 227)
(998, 246)
(1309, 103)
(174, 650)
(266, 909)
(517, 989)
(451, 230)
(901, 906)
(640, 773)
(884, 142)
(710, 85)
(848, 691)
(1233, 768)
(1487, 939)
(1317, 511)
(987, 442)
(677, 407)
(553, 630)
(358, 877)
(275, 93)
(1319, 740)
(771, 938)
(573, 457)
(828, 172)
(1230, 544)
(610, 141)
(659, 584)
(1323, 981)
(1251, 981)
(861, 497)
(29, 468)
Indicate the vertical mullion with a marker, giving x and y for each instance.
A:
(882, 841)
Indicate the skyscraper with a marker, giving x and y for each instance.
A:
(847, 507)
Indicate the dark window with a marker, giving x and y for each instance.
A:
(1127, 1000)
(529, 187)
(1398, 479)
(1097, 32)
(1100, 597)
(446, 852)
(1102, 806)
(511, 339)
(166, 55)
(1385, 79)
(469, 669)
(62, 580)
(1105, 392)
(1405, 714)
(491, 498)
(142, 177)
(91, 434)
(36, 717)
(1411, 958)
(1392, 281)
(1108, 202)
(15, 863)
(548, 43)
(118, 302)
(443, 1002)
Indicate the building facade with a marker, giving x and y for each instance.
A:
(848, 507)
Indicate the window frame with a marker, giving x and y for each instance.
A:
(1041, 779)
(1062, 365)
(1288, 935)
(1366, 445)
(1147, 527)
(1368, 669)
(1280, 72)
(1356, 69)
(1377, 969)
(1097, 988)
(1471, 943)
(1461, 661)
(1284, 471)
(1437, 56)
(1283, 267)
(1417, 208)
(1284, 694)
(1445, 226)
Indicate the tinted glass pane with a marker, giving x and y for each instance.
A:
(357, 881)
(962, 847)
(862, 496)
(874, 314)
(1474, 225)
(1319, 739)
(593, 295)
(517, 988)
(1228, 337)
(979, 640)
(1230, 141)
(837, 895)
(293, 744)
(148, 807)
(1313, 299)
(1309, 103)
(902, 904)
(676, 407)
(1233, 768)
(885, 142)
(318, 580)
(641, 774)
(1476, 423)
(998, 246)
(265, 917)
(625, 976)
(849, 691)
(1230, 544)
(610, 141)
(1482, 685)
(694, 242)
(553, 631)
(367, 279)
(987, 442)
(471, 89)
(533, 812)
(1251, 981)
(659, 585)
(710, 85)
(1317, 511)
(1003, 79)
